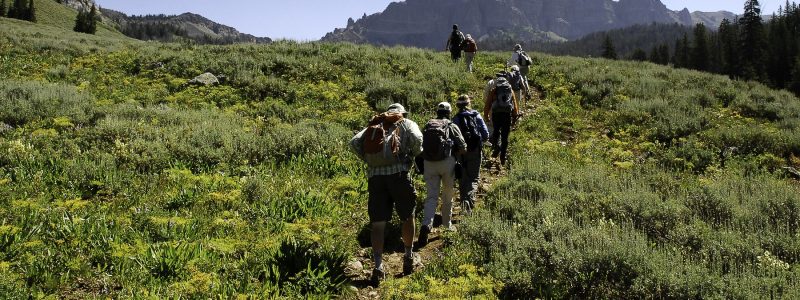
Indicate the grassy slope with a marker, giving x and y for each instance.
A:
(49, 12)
(176, 189)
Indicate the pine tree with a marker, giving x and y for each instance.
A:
(700, 53)
(2, 8)
(639, 55)
(729, 40)
(608, 49)
(751, 41)
(80, 22)
(655, 55)
(91, 21)
(681, 58)
(663, 52)
(14, 11)
(30, 12)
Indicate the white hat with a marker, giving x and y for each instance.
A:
(397, 108)
(444, 106)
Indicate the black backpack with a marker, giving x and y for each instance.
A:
(504, 96)
(456, 40)
(468, 124)
(523, 59)
(436, 142)
(516, 80)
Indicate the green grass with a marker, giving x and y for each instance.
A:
(51, 13)
(119, 179)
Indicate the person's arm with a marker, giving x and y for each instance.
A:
(516, 105)
(459, 145)
(487, 107)
(357, 144)
(483, 128)
(447, 46)
(415, 138)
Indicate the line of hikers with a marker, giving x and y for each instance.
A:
(448, 147)
(458, 42)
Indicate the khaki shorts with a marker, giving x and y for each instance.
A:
(388, 192)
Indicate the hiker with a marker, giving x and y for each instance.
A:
(521, 59)
(501, 109)
(455, 43)
(475, 133)
(441, 143)
(518, 84)
(388, 146)
(470, 49)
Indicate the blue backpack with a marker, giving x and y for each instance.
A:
(467, 122)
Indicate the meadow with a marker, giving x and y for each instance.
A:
(120, 179)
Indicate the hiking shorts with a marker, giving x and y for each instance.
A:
(388, 192)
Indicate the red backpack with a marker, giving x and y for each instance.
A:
(381, 140)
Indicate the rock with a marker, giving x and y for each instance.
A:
(355, 266)
(205, 79)
(793, 172)
(353, 289)
(5, 127)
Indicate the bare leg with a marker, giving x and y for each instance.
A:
(408, 233)
(377, 238)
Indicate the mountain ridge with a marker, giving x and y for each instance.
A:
(426, 24)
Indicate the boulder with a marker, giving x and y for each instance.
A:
(205, 79)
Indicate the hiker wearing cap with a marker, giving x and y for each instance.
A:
(388, 146)
(470, 49)
(521, 59)
(518, 83)
(500, 108)
(455, 43)
(441, 143)
(475, 133)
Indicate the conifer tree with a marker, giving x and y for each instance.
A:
(663, 52)
(751, 41)
(91, 21)
(729, 40)
(608, 49)
(30, 14)
(639, 55)
(2, 8)
(700, 51)
(79, 22)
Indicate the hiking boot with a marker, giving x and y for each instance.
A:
(422, 241)
(378, 276)
(410, 262)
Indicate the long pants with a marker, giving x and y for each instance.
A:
(470, 178)
(468, 58)
(455, 55)
(524, 71)
(439, 174)
(520, 96)
(502, 127)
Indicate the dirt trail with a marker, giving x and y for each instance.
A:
(360, 268)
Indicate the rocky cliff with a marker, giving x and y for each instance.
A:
(426, 23)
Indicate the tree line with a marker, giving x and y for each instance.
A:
(20, 9)
(747, 48)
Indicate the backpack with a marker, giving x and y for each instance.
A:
(381, 140)
(456, 40)
(468, 124)
(515, 78)
(436, 142)
(470, 45)
(523, 59)
(504, 101)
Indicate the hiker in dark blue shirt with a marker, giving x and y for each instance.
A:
(475, 133)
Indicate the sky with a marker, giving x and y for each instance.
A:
(311, 19)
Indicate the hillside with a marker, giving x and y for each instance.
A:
(51, 13)
(626, 40)
(122, 179)
(426, 24)
(174, 28)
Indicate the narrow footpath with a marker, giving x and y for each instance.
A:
(359, 269)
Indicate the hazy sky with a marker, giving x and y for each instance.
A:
(311, 19)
